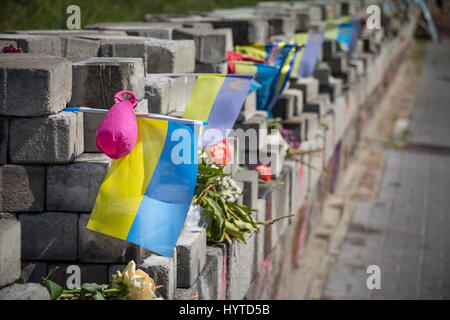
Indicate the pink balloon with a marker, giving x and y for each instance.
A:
(117, 133)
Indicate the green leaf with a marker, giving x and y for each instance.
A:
(93, 287)
(54, 289)
(98, 296)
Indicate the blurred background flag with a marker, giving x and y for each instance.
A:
(309, 54)
(217, 99)
(285, 61)
(345, 35)
(145, 196)
(264, 77)
(357, 23)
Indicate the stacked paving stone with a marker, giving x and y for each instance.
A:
(51, 170)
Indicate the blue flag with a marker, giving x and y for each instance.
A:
(310, 54)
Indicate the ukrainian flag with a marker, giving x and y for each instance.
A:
(281, 55)
(345, 35)
(306, 59)
(265, 75)
(145, 196)
(217, 99)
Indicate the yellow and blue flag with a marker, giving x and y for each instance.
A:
(345, 35)
(265, 75)
(306, 59)
(145, 196)
(285, 61)
(356, 32)
(281, 55)
(217, 99)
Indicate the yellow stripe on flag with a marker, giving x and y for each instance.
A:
(257, 50)
(245, 67)
(205, 92)
(299, 39)
(285, 70)
(124, 186)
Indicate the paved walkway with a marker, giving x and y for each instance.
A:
(406, 231)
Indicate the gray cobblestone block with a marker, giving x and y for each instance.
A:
(258, 256)
(282, 25)
(245, 31)
(329, 49)
(210, 45)
(315, 13)
(157, 93)
(265, 192)
(254, 128)
(34, 271)
(72, 48)
(190, 293)
(250, 180)
(309, 86)
(57, 138)
(163, 271)
(34, 85)
(97, 80)
(280, 205)
(312, 124)
(240, 268)
(97, 247)
(9, 251)
(249, 108)
(293, 187)
(27, 291)
(77, 49)
(121, 46)
(211, 68)
(298, 100)
(170, 56)
(336, 88)
(91, 121)
(284, 108)
(181, 87)
(275, 153)
(316, 106)
(74, 187)
(297, 125)
(49, 236)
(302, 22)
(34, 43)
(369, 44)
(322, 73)
(22, 188)
(211, 280)
(359, 65)
(4, 129)
(338, 64)
(229, 46)
(89, 273)
(191, 256)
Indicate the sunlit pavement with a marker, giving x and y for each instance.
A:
(406, 231)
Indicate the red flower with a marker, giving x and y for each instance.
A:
(220, 152)
(264, 172)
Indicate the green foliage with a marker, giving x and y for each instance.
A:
(226, 220)
(51, 14)
(273, 123)
(88, 291)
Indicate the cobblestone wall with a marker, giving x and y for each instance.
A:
(51, 170)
